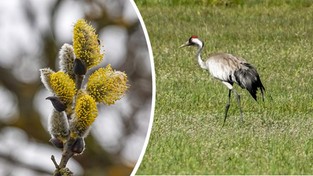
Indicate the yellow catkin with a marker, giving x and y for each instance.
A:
(85, 114)
(106, 85)
(86, 45)
(63, 87)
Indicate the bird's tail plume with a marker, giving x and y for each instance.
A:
(248, 78)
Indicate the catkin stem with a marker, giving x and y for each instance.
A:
(67, 152)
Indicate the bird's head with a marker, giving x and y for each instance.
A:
(193, 41)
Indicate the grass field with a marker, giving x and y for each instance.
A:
(187, 135)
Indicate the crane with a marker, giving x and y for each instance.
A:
(229, 69)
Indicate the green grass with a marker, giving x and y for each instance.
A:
(187, 135)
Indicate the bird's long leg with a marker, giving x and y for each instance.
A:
(227, 106)
(238, 101)
(262, 94)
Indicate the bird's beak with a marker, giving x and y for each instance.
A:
(186, 44)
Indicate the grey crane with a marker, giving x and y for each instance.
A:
(229, 69)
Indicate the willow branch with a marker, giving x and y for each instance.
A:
(67, 153)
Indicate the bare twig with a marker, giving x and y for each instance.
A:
(61, 168)
(55, 163)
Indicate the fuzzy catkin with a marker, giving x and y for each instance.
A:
(67, 57)
(85, 113)
(85, 44)
(107, 85)
(63, 87)
(58, 125)
(45, 74)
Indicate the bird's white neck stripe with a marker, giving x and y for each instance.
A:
(200, 61)
(200, 47)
